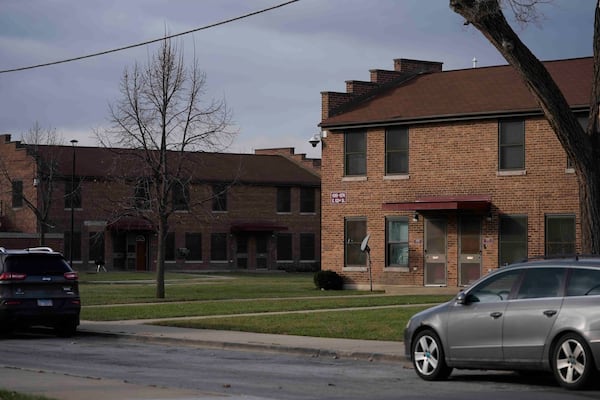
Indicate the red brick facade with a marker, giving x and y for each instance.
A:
(250, 225)
(453, 175)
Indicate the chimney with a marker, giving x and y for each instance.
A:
(416, 66)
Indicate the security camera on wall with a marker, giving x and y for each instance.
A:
(314, 140)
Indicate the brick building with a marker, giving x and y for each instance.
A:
(231, 211)
(451, 173)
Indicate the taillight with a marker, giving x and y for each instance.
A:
(71, 276)
(12, 276)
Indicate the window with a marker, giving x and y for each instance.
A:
(284, 202)
(541, 282)
(170, 247)
(307, 200)
(513, 238)
(355, 153)
(584, 282)
(307, 246)
(141, 196)
(560, 235)
(397, 242)
(494, 289)
(96, 246)
(193, 242)
(76, 245)
(284, 247)
(396, 150)
(72, 195)
(511, 145)
(219, 202)
(17, 194)
(355, 231)
(218, 247)
(180, 196)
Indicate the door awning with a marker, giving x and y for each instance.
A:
(432, 203)
(256, 227)
(131, 224)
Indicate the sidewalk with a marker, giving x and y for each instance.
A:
(370, 350)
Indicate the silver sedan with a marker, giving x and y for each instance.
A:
(540, 316)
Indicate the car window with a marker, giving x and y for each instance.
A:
(541, 282)
(584, 282)
(35, 264)
(494, 289)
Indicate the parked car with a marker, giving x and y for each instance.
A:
(537, 315)
(38, 287)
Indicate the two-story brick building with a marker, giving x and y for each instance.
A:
(451, 173)
(232, 211)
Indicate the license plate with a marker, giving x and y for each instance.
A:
(44, 303)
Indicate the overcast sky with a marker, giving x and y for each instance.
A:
(270, 68)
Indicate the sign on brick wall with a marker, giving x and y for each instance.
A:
(338, 197)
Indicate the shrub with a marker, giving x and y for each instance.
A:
(328, 280)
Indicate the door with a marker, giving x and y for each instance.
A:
(262, 251)
(469, 254)
(530, 317)
(242, 251)
(140, 253)
(435, 252)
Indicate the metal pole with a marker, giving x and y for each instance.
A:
(71, 200)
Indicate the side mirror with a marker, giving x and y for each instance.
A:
(461, 298)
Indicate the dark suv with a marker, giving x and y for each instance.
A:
(38, 287)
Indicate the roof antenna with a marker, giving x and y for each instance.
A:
(474, 62)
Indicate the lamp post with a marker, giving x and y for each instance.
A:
(71, 200)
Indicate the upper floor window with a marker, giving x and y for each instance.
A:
(72, 194)
(307, 200)
(560, 235)
(397, 242)
(180, 196)
(284, 200)
(354, 233)
(355, 153)
(17, 194)
(511, 145)
(141, 196)
(219, 201)
(513, 238)
(396, 150)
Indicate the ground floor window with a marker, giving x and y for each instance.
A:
(193, 243)
(354, 233)
(560, 235)
(76, 255)
(307, 246)
(284, 247)
(513, 238)
(96, 246)
(218, 247)
(397, 242)
(170, 248)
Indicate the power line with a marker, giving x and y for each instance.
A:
(150, 41)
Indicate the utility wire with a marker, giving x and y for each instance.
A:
(150, 41)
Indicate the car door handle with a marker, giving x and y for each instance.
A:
(496, 314)
(550, 313)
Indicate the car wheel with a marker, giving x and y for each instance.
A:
(66, 328)
(572, 362)
(428, 357)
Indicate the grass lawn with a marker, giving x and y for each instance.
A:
(121, 296)
(9, 395)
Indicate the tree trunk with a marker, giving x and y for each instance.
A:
(160, 258)
(581, 147)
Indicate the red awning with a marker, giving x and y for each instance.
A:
(257, 227)
(131, 224)
(467, 202)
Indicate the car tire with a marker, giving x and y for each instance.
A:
(572, 362)
(428, 357)
(66, 328)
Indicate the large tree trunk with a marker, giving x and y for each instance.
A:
(582, 147)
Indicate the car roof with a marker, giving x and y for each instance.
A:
(573, 261)
(30, 250)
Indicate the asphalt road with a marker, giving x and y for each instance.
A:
(98, 367)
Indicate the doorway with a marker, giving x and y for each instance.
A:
(469, 254)
(435, 252)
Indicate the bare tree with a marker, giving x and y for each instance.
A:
(46, 175)
(581, 145)
(161, 115)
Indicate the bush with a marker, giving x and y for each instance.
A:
(328, 280)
